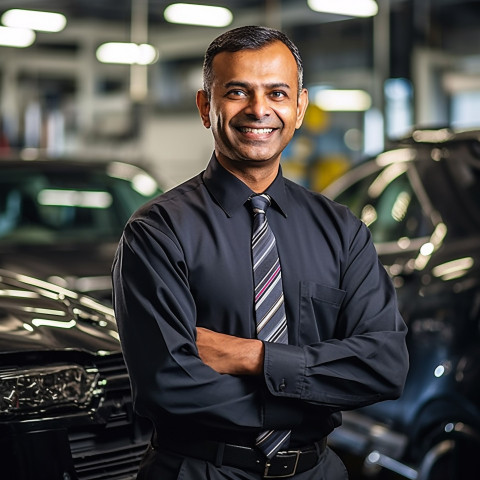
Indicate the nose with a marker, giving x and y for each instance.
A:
(258, 106)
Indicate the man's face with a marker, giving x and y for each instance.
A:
(254, 107)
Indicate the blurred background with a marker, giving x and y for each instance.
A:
(105, 89)
(372, 75)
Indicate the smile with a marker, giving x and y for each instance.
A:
(257, 131)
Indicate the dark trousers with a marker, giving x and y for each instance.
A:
(161, 464)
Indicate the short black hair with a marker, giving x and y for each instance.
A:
(251, 37)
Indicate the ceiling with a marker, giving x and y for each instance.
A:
(453, 11)
(339, 53)
(327, 44)
(120, 10)
(440, 24)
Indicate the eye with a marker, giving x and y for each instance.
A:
(236, 93)
(279, 94)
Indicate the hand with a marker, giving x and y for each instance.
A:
(229, 354)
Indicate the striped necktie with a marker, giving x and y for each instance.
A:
(270, 315)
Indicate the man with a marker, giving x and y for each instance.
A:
(188, 305)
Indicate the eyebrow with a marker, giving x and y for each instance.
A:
(247, 85)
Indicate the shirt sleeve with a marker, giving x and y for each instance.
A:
(366, 359)
(156, 318)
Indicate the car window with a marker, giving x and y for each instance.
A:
(70, 205)
(386, 202)
(453, 186)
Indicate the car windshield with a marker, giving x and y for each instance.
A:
(453, 187)
(391, 209)
(408, 199)
(51, 206)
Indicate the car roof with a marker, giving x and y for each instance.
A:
(429, 136)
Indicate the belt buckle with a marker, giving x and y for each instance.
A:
(286, 475)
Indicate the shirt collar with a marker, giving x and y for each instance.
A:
(231, 193)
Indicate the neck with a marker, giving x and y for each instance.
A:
(257, 178)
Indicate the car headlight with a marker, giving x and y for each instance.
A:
(35, 389)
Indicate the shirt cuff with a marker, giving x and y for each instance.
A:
(284, 368)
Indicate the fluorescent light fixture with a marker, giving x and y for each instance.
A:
(16, 37)
(35, 20)
(205, 15)
(343, 100)
(127, 53)
(351, 8)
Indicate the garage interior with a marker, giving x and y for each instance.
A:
(417, 61)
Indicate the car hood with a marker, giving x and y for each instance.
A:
(454, 259)
(39, 316)
(81, 267)
(435, 302)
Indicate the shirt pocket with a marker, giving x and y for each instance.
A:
(319, 308)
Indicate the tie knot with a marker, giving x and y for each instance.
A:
(260, 203)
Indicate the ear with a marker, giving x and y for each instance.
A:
(301, 107)
(203, 105)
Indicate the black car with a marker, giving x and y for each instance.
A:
(61, 219)
(65, 404)
(421, 201)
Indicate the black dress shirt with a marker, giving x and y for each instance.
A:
(184, 260)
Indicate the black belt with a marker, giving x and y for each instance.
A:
(283, 465)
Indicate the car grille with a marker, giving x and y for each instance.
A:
(120, 462)
(111, 450)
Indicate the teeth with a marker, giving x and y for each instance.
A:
(256, 130)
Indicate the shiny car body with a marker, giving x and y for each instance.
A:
(61, 219)
(65, 405)
(421, 201)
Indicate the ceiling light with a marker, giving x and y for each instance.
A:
(354, 8)
(343, 100)
(16, 37)
(35, 20)
(127, 53)
(189, 14)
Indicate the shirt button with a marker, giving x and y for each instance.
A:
(282, 386)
